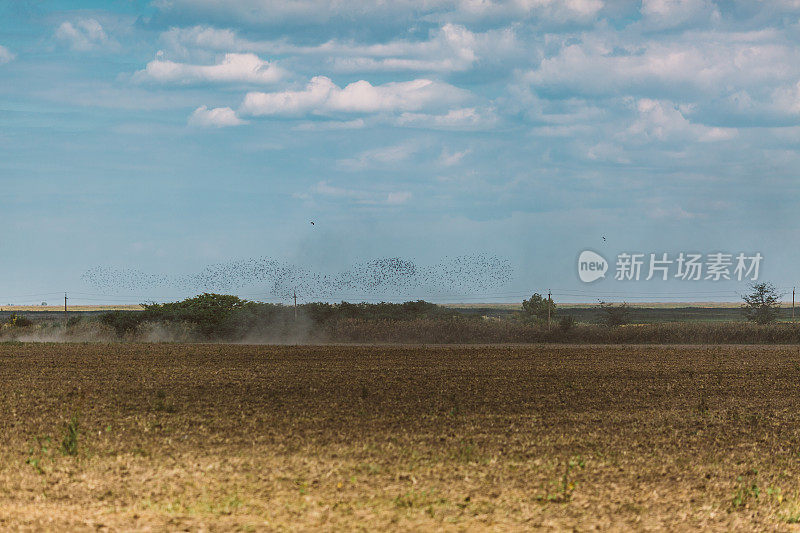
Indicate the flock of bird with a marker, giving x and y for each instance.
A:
(394, 276)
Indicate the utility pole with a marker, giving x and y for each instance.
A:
(792, 304)
(549, 305)
(65, 309)
(294, 295)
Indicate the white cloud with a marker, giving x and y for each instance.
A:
(182, 40)
(315, 12)
(468, 118)
(663, 121)
(331, 125)
(233, 68)
(219, 117)
(448, 159)
(6, 56)
(787, 99)
(83, 34)
(388, 155)
(670, 212)
(397, 198)
(359, 196)
(449, 48)
(671, 13)
(322, 96)
(549, 10)
(606, 151)
(694, 63)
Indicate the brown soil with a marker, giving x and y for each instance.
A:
(232, 437)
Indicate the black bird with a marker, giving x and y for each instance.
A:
(312, 222)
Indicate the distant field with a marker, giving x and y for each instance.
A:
(254, 438)
(641, 313)
(57, 308)
(647, 305)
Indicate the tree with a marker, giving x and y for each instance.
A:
(614, 315)
(537, 306)
(762, 304)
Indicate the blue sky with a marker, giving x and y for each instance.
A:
(165, 136)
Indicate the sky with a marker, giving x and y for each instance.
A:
(156, 139)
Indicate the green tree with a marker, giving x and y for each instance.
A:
(537, 307)
(762, 304)
(214, 315)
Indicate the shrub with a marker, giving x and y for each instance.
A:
(321, 312)
(566, 323)
(123, 322)
(214, 315)
(18, 321)
(614, 315)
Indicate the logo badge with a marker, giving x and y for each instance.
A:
(591, 266)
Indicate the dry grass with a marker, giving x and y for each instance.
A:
(222, 437)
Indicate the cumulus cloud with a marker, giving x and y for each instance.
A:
(467, 118)
(787, 99)
(449, 48)
(664, 121)
(233, 68)
(316, 12)
(219, 117)
(672, 13)
(6, 56)
(83, 34)
(697, 63)
(548, 10)
(183, 40)
(322, 96)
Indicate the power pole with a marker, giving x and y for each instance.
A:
(65, 309)
(549, 305)
(294, 294)
(792, 304)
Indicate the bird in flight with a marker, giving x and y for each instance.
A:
(604, 238)
(312, 222)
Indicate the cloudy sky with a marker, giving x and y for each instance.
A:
(166, 135)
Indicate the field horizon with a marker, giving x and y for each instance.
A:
(470, 305)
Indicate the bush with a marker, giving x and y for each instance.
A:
(123, 322)
(18, 321)
(215, 316)
(614, 315)
(566, 323)
(321, 312)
